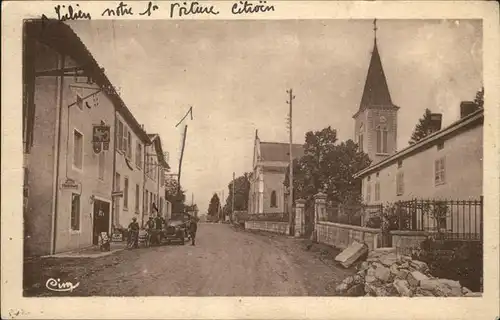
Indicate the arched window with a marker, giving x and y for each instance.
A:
(382, 139)
(273, 199)
(360, 137)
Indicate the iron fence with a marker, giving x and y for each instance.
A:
(447, 219)
(357, 215)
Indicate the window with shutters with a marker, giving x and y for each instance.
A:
(125, 140)
(129, 144)
(137, 195)
(439, 171)
(138, 155)
(400, 183)
(119, 136)
(125, 193)
(377, 191)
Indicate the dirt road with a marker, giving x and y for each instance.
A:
(225, 262)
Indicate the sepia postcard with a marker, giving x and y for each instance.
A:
(250, 160)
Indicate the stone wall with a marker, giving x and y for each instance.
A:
(342, 235)
(269, 226)
(407, 241)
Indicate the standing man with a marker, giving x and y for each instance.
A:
(193, 227)
(158, 227)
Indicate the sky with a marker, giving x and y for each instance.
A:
(235, 75)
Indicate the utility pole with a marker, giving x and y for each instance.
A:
(232, 202)
(290, 180)
(190, 112)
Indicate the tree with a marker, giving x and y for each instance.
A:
(213, 207)
(241, 191)
(479, 100)
(422, 129)
(329, 167)
(175, 195)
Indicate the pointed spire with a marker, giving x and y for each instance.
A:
(256, 134)
(376, 93)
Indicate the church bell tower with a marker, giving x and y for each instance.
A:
(376, 120)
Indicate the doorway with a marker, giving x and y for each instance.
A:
(101, 219)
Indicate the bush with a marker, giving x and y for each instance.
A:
(455, 260)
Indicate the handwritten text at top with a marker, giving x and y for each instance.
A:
(177, 9)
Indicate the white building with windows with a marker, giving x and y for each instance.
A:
(433, 168)
(131, 141)
(154, 178)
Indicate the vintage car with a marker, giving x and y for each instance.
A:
(175, 231)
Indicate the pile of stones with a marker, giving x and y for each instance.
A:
(384, 273)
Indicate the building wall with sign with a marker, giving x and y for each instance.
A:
(61, 163)
(92, 171)
(129, 173)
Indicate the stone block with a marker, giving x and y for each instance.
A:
(374, 289)
(383, 273)
(357, 290)
(371, 272)
(351, 254)
(423, 293)
(416, 277)
(442, 287)
(465, 290)
(389, 259)
(419, 265)
(363, 266)
(369, 279)
(403, 288)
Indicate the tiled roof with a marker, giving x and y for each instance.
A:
(63, 39)
(275, 151)
(376, 93)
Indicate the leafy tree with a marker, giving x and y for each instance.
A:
(422, 129)
(329, 167)
(241, 191)
(479, 100)
(175, 195)
(213, 207)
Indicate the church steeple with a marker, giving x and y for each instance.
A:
(376, 91)
(376, 119)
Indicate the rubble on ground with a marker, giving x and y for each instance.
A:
(384, 273)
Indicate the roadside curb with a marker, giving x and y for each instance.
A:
(83, 255)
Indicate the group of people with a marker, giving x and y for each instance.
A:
(154, 226)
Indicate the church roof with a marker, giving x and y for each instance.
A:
(276, 151)
(376, 91)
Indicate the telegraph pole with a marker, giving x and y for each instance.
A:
(290, 180)
(190, 112)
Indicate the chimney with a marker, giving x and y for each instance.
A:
(466, 108)
(436, 119)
